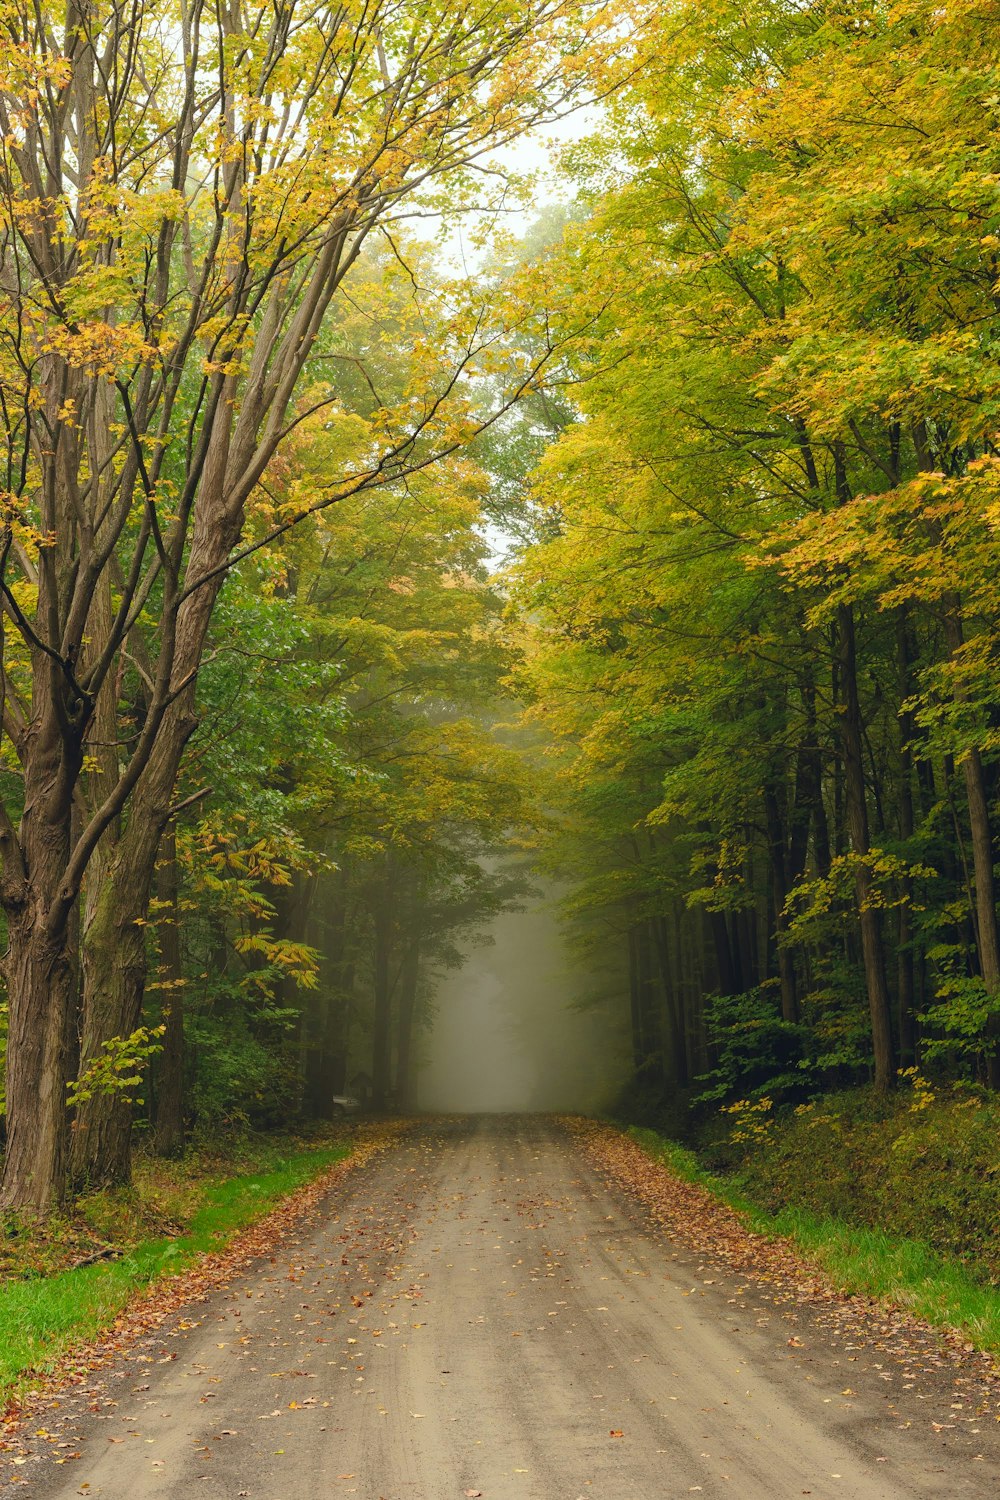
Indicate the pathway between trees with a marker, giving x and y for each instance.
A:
(482, 1314)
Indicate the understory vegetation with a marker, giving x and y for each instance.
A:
(921, 1165)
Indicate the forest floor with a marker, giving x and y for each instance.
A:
(514, 1307)
(163, 1200)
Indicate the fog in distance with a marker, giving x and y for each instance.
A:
(525, 1024)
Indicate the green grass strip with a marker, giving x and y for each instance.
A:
(41, 1319)
(901, 1271)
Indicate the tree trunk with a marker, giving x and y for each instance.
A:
(635, 1000)
(904, 932)
(408, 979)
(40, 966)
(169, 1128)
(114, 978)
(808, 810)
(40, 987)
(673, 1004)
(779, 893)
(857, 827)
(977, 796)
(649, 1009)
(722, 947)
(381, 1032)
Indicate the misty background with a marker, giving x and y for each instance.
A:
(525, 1024)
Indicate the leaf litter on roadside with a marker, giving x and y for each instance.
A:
(159, 1303)
(772, 1268)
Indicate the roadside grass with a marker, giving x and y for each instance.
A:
(867, 1262)
(204, 1206)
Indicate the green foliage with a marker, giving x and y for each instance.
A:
(926, 1167)
(756, 1053)
(962, 1013)
(119, 1067)
(243, 1070)
(762, 611)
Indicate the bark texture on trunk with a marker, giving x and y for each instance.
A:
(40, 967)
(40, 986)
(115, 964)
(904, 932)
(778, 863)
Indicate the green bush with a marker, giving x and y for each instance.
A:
(238, 1080)
(925, 1166)
(756, 1052)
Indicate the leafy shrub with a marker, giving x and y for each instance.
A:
(239, 1080)
(757, 1053)
(925, 1165)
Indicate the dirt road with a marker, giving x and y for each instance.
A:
(480, 1314)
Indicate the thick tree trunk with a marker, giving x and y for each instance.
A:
(856, 805)
(114, 977)
(40, 966)
(168, 1134)
(40, 989)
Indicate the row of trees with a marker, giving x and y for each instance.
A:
(336, 801)
(185, 202)
(766, 621)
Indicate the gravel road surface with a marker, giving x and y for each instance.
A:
(479, 1314)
